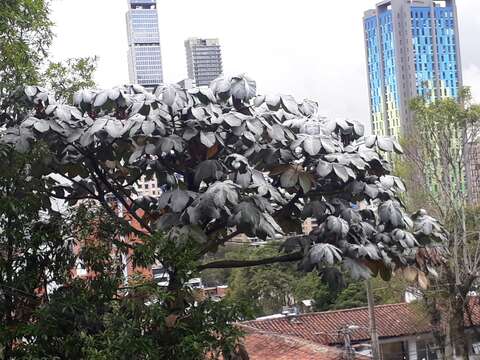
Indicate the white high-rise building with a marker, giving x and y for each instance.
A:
(144, 55)
(144, 61)
(204, 60)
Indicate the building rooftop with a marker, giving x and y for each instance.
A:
(265, 345)
(393, 320)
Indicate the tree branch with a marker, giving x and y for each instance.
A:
(211, 245)
(96, 169)
(230, 264)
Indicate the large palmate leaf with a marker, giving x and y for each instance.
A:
(229, 160)
(325, 254)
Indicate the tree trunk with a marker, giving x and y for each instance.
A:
(439, 334)
(457, 325)
(9, 301)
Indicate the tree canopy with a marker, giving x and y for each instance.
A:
(440, 157)
(34, 247)
(26, 34)
(230, 161)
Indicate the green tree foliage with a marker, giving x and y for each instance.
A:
(269, 288)
(440, 151)
(67, 77)
(35, 242)
(103, 316)
(25, 36)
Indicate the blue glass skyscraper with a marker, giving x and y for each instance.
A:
(144, 56)
(412, 49)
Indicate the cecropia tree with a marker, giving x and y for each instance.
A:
(231, 162)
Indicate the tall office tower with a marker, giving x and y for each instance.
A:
(204, 60)
(412, 49)
(144, 57)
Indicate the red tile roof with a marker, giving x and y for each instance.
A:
(263, 345)
(393, 320)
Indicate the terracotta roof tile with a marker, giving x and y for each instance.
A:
(393, 320)
(263, 345)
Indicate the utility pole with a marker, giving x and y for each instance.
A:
(348, 352)
(373, 326)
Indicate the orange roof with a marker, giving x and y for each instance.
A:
(263, 345)
(322, 327)
(393, 320)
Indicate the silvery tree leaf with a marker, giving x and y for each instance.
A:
(312, 145)
(308, 107)
(341, 172)
(396, 146)
(208, 96)
(255, 127)
(190, 133)
(244, 179)
(177, 200)
(324, 168)
(387, 181)
(148, 127)
(337, 226)
(385, 144)
(207, 138)
(208, 170)
(63, 113)
(359, 129)
(324, 254)
(371, 190)
(100, 99)
(169, 95)
(369, 250)
(390, 213)
(276, 132)
(223, 191)
(289, 104)
(221, 87)
(114, 94)
(328, 145)
(370, 140)
(243, 88)
(98, 125)
(115, 128)
(232, 119)
(136, 107)
(273, 102)
(356, 269)
(259, 100)
(41, 126)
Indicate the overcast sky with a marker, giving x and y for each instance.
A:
(307, 48)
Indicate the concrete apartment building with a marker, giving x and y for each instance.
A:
(412, 49)
(144, 55)
(204, 60)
